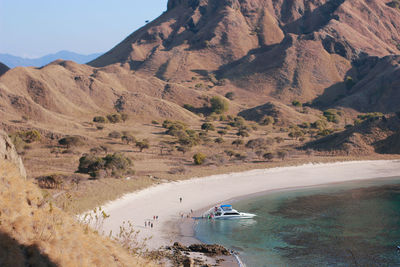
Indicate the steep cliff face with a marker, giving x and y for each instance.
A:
(285, 49)
(8, 152)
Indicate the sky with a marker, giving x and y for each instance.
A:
(33, 28)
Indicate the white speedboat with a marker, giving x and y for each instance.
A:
(226, 212)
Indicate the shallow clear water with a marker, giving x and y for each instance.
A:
(348, 224)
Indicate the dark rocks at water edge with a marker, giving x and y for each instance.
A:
(209, 250)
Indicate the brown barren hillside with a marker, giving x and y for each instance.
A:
(3, 68)
(35, 233)
(285, 49)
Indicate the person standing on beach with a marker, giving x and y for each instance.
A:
(180, 199)
(151, 225)
(145, 224)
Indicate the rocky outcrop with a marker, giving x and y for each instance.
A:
(3, 68)
(8, 152)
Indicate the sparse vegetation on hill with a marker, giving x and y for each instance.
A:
(35, 232)
(114, 165)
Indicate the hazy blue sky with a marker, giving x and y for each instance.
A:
(33, 28)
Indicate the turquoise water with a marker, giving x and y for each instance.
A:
(348, 224)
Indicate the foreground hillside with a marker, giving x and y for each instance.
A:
(35, 233)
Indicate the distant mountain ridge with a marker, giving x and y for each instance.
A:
(15, 61)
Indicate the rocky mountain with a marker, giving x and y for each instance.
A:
(3, 68)
(329, 53)
(281, 49)
(15, 61)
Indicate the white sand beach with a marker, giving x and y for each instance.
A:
(199, 193)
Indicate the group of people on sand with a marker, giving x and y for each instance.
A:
(149, 223)
(187, 215)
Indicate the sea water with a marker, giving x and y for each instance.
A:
(347, 224)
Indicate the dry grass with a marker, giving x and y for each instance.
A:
(151, 167)
(35, 233)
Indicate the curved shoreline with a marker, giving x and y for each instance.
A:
(197, 193)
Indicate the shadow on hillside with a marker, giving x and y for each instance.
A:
(15, 254)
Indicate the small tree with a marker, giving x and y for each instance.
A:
(256, 143)
(237, 142)
(222, 132)
(296, 103)
(127, 139)
(199, 158)
(268, 156)
(230, 153)
(100, 119)
(230, 95)
(282, 154)
(219, 105)
(70, 141)
(144, 144)
(219, 140)
(267, 120)
(242, 133)
(114, 118)
(207, 127)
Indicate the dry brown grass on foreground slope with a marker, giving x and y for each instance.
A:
(33, 233)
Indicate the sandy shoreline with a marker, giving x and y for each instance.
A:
(199, 193)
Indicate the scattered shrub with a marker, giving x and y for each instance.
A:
(219, 140)
(114, 134)
(230, 95)
(114, 118)
(242, 133)
(70, 141)
(237, 142)
(219, 105)
(297, 103)
(155, 122)
(207, 127)
(222, 132)
(268, 156)
(331, 115)
(144, 144)
(199, 158)
(100, 119)
(115, 165)
(282, 154)
(128, 138)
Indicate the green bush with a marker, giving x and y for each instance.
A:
(114, 134)
(230, 95)
(114, 118)
(144, 144)
(219, 105)
(266, 120)
(372, 115)
(70, 141)
(100, 119)
(297, 103)
(207, 127)
(115, 165)
(331, 115)
(199, 158)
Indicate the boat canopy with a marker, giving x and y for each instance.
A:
(226, 207)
